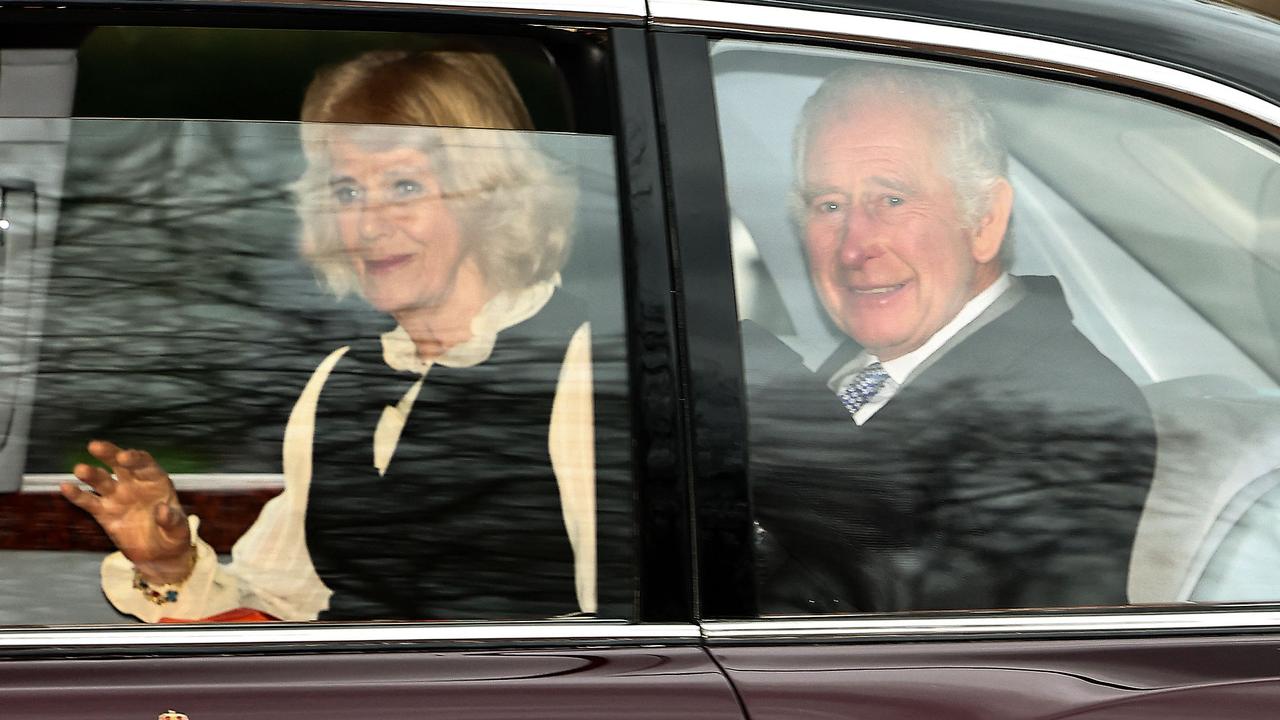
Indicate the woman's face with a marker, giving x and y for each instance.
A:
(403, 242)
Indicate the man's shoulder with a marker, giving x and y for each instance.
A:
(1052, 344)
(767, 359)
(1033, 354)
(1064, 373)
(784, 396)
(1036, 331)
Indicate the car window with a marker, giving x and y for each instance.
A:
(358, 294)
(1008, 343)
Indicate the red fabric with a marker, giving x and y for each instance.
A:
(230, 616)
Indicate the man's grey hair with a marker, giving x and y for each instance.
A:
(977, 158)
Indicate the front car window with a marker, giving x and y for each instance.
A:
(366, 317)
(1008, 343)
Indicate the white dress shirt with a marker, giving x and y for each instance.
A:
(270, 568)
(900, 368)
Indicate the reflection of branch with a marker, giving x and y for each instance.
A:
(267, 197)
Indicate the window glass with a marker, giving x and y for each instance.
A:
(357, 295)
(1009, 343)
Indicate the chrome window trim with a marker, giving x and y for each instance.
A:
(633, 10)
(988, 626)
(984, 44)
(594, 8)
(265, 637)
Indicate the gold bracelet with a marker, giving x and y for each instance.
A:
(168, 592)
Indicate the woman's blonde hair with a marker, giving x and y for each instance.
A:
(514, 210)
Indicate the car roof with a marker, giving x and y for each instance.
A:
(1231, 44)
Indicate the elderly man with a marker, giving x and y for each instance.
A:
(966, 447)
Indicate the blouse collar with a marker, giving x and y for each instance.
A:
(504, 310)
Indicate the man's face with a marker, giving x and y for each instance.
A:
(889, 252)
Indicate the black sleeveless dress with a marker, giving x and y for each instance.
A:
(467, 521)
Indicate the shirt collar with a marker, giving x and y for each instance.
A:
(900, 368)
(504, 310)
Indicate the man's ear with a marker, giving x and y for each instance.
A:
(989, 235)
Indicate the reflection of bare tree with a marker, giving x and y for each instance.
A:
(178, 317)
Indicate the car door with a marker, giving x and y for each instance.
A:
(177, 314)
(1121, 193)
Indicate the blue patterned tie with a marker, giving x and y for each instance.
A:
(864, 387)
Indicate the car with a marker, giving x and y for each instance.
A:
(152, 293)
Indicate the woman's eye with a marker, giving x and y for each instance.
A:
(346, 194)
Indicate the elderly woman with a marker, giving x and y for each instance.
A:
(445, 469)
